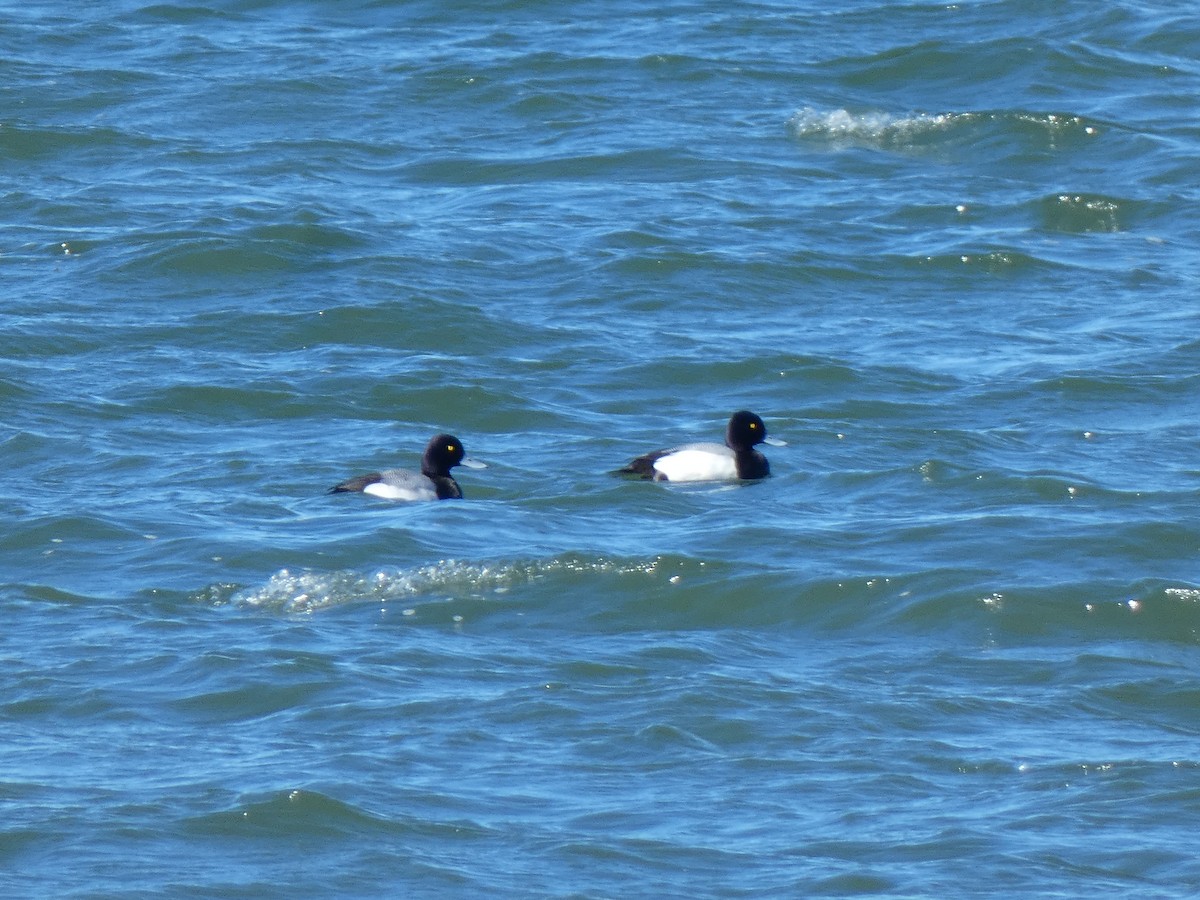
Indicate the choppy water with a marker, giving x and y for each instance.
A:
(947, 251)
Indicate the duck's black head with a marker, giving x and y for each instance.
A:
(442, 453)
(744, 431)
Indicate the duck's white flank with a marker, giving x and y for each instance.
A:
(702, 462)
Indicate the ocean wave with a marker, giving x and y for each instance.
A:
(301, 592)
(592, 592)
(308, 814)
(1150, 611)
(681, 593)
(274, 247)
(843, 129)
(987, 262)
(1075, 213)
(32, 143)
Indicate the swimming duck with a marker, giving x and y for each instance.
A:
(736, 460)
(433, 482)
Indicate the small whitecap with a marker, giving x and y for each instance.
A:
(1192, 595)
(842, 128)
(305, 592)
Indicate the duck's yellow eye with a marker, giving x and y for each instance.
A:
(450, 448)
(753, 424)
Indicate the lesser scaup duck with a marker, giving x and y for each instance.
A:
(737, 460)
(433, 482)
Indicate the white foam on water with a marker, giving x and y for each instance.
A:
(843, 129)
(869, 128)
(306, 591)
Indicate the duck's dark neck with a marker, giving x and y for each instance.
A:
(751, 464)
(447, 488)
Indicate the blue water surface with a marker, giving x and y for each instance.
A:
(947, 251)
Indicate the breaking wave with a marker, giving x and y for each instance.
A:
(841, 129)
(298, 592)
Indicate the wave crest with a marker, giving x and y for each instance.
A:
(301, 592)
(843, 129)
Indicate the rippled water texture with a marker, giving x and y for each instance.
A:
(947, 252)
